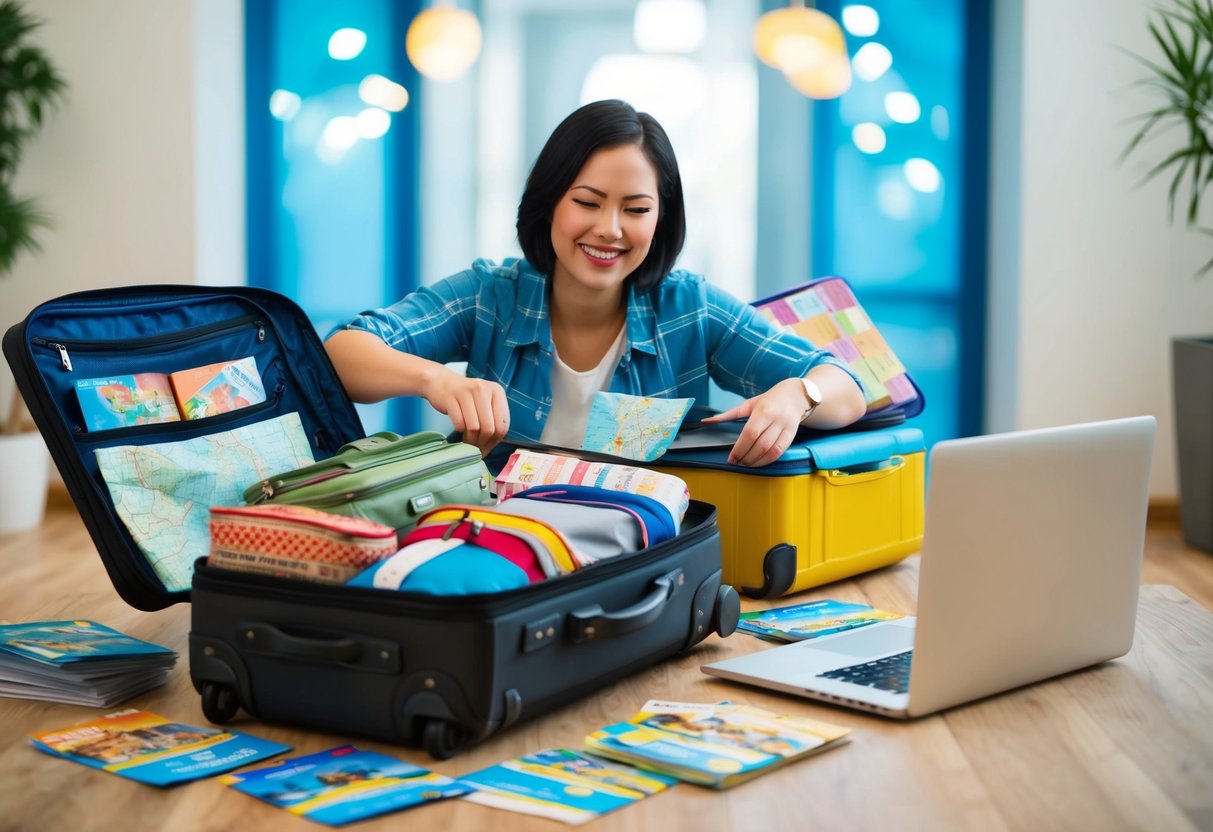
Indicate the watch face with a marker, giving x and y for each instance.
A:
(812, 391)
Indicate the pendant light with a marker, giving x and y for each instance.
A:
(443, 41)
(807, 46)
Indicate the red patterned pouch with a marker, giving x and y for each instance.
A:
(296, 542)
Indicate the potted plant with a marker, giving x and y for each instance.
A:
(1182, 83)
(29, 87)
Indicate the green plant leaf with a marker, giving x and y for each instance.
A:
(19, 220)
(1181, 85)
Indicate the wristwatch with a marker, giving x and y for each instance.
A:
(812, 395)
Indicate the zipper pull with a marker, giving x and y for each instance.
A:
(450, 530)
(64, 358)
(267, 491)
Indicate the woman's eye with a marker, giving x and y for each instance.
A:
(585, 203)
(639, 210)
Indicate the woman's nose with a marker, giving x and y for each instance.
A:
(608, 227)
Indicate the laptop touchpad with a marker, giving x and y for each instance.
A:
(869, 641)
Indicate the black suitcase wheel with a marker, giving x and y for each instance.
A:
(727, 611)
(778, 572)
(219, 703)
(442, 739)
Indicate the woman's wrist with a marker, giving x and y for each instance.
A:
(812, 397)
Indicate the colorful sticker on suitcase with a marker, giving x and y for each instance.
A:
(828, 316)
(344, 784)
(563, 785)
(151, 749)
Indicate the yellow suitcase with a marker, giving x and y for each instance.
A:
(827, 509)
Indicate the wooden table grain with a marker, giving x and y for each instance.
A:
(1125, 745)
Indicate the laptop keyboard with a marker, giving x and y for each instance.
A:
(891, 673)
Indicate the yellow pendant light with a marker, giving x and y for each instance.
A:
(443, 41)
(807, 46)
(829, 79)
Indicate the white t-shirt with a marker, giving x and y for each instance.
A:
(572, 393)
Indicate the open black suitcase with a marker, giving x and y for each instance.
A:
(420, 670)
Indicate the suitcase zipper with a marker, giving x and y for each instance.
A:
(388, 601)
(152, 342)
(276, 489)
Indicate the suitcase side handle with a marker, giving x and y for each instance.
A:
(594, 623)
(373, 655)
(865, 473)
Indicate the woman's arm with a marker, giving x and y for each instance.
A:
(773, 417)
(372, 371)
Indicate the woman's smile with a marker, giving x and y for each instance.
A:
(602, 256)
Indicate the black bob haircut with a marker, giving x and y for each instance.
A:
(600, 126)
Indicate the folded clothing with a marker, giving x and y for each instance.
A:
(296, 542)
(590, 517)
(527, 469)
(443, 567)
(536, 534)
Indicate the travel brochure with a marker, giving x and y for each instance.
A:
(150, 749)
(78, 663)
(715, 745)
(811, 620)
(124, 401)
(563, 785)
(344, 784)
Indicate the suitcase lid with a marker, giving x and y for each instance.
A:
(820, 452)
(827, 314)
(141, 328)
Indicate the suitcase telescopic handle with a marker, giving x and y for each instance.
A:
(594, 623)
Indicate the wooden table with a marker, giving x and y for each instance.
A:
(1126, 745)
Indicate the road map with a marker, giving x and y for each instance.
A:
(633, 427)
(164, 492)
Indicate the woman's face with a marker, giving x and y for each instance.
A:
(602, 228)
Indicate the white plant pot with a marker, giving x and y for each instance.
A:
(24, 477)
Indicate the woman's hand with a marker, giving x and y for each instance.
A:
(773, 417)
(477, 408)
(771, 422)
(371, 371)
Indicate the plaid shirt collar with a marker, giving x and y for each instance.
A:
(530, 325)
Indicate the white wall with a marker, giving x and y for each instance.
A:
(1089, 281)
(142, 167)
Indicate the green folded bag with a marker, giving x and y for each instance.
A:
(388, 478)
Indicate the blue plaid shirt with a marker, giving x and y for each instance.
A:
(495, 317)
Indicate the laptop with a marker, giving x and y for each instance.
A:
(1030, 565)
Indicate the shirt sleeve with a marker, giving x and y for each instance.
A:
(748, 355)
(435, 322)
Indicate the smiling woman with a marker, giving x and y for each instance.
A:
(595, 305)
